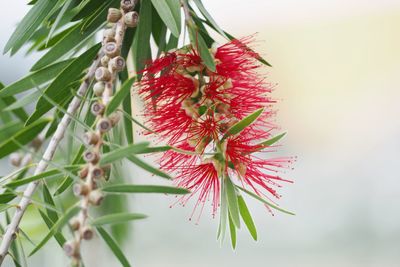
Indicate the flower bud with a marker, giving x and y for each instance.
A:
(104, 125)
(97, 173)
(90, 156)
(131, 19)
(83, 172)
(97, 108)
(15, 159)
(111, 49)
(98, 88)
(87, 233)
(128, 5)
(80, 189)
(91, 138)
(104, 61)
(96, 197)
(117, 63)
(71, 249)
(102, 74)
(113, 15)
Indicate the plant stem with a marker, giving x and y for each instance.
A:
(12, 228)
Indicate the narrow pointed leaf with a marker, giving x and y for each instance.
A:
(130, 188)
(57, 227)
(241, 125)
(208, 16)
(233, 206)
(22, 137)
(272, 141)
(113, 246)
(9, 129)
(57, 236)
(24, 101)
(117, 218)
(269, 204)
(6, 197)
(246, 216)
(122, 152)
(140, 163)
(232, 229)
(120, 96)
(198, 42)
(164, 10)
(141, 44)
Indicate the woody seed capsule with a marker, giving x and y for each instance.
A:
(102, 74)
(91, 138)
(80, 189)
(75, 224)
(87, 233)
(83, 172)
(114, 118)
(97, 108)
(71, 249)
(109, 35)
(104, 125)
(131, 19)
(105, 60)
(97, 172)
(98, 88)
(111, 49)
(96, 197)
(117, 63)
(15, 159)
(113, 15)
(90, 156)
(128, 5)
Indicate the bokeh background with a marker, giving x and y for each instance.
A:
(337, 63)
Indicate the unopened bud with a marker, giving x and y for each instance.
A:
(111, 49)
(91, 138)
(131, 19)
(96, 197)
(98, 88)
(97, 108)
(113, 15)
(104, 125)
(102, 74)
(90, 156)
(117, 63)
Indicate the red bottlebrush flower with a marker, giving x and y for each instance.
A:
(191, 108)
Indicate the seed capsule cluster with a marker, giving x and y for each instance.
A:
(92, 172)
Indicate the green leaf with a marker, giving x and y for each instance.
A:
(113, 246)
(121, 94)
(22, 137)
(6, 197)
(271, 141)
(246, 216)
(58, 236)
(48, 199)
(24, 101)
(117, 218)
(122, 152)
(233, 206)
(60, 15)
(165, 12)
(56, 91)
(4, 207)
(223, 214)
(141, 44)
(57, 226)
(31, 21)
(269, 204)
(198, 42)
(35, 78)
(241, 125)
(9, 129)
(140, 163)
(130, 188)
(155, 149)
(27, 180)
(207, 15)
(232, 229)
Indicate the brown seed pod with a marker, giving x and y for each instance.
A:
(97, 108)
(104, 61)
(71, 249)
(102, 74)
(97, 172)
(104, 125)
(114, 118)
(117, 63)
(90, 156)
(80, 189)
(83, 172)
(36, 143)
(128, 5)
(96, 197)
(87, 233)
(75, 223)
(15, 159)
(109, 35)
(98, 88)
(113, 15)
(111, 49)
(131, 19)
(91, 138)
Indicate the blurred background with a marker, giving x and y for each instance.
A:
(337, 63)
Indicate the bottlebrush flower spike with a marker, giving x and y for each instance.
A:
(192, 109)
